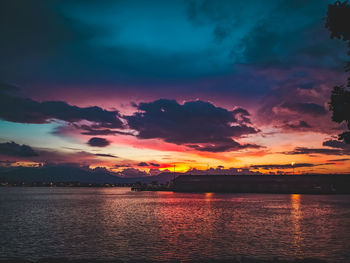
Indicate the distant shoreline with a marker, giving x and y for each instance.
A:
(281, 184)
(259, 184)
(232, 260)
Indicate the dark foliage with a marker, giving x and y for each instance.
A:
(340, 106)
(338, 21)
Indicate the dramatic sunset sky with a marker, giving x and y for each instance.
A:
(140, 86)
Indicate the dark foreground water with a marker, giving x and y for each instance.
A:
(115, 223)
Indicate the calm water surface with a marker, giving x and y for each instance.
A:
(115, 223)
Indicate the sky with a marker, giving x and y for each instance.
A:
(138, 87)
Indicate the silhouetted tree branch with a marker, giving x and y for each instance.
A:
(338, 23)
(340, 106)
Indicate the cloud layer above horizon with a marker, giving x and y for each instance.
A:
(192, 83)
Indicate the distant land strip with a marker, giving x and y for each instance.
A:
(231, 260)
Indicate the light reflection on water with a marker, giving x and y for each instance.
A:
(296, 217)
(115, 223)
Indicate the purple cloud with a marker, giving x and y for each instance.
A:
(306, 108)
(98, 142)
(197, 124)
(16, 150)
(17, 109)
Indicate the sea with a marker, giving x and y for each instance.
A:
(117, 223)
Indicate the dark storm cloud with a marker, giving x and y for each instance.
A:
(305, 108)
(222, 146)
(339, 160)
(106, 155)
(337, 144)
(288, 104)
(93, 129)
(240, 111)
(71, 42)
(282, 166)
(89, 131)
(270, 39)
(197, 124)
(98, 142)
(144, 164)
(154, 164)
(66, 39)
(17, 109)
(268, 45)
(300, 125)
(96, 130)
(16, 150)
(241, 115)
(34, 34)
(311, 151)
(17, 13)
(16, 153)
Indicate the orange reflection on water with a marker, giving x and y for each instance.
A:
(182, 230)
(208, 196)
(165, 193)
(296, 214)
